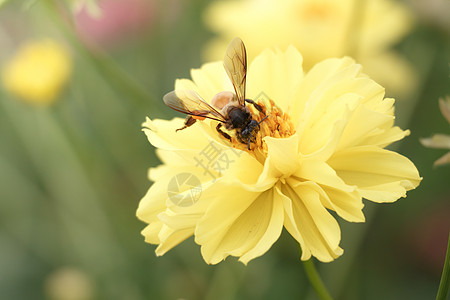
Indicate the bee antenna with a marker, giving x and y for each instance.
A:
(263, 119)
(250, 138)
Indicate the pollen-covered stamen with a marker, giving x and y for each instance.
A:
(276, 124)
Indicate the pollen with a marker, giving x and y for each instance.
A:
(273, 122)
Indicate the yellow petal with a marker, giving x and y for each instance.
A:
(242, 224)
(153, 202)
(380, 175)
(402, 78)
(162, 134)
(444, 106)
(247, 172)
(440, 141)
(362, 124)
(386, 136)
(151, 232)
(170, 238)
(348, 205)
(321, 173)
(183, 216)
(269, 234)
(315, 83)
(179, 221)
(239, 22)
(310, 223)
(211, 79)
(282, 157)
(443, 160)
(38, 71)
(291, 226)
(321, 141)
(164, 236)
(276, 74)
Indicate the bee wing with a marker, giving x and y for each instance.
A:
(189, 102)
(235, 63)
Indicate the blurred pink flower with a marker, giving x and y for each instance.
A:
(426, 237)
(119, 20)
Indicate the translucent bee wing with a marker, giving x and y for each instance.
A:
(189, 102)
(235, 63)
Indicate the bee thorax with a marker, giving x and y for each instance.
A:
(239, 117)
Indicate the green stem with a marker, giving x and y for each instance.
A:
(315, 280)
(445, 279)
(107, 67)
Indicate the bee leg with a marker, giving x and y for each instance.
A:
(224, 134)
(188, 122)
(259, 108)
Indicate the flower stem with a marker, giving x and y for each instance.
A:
(445, 278)
(315, 280)
(119, 80)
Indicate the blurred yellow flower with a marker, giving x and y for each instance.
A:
(320, 150)
(38, 71)
(441, 141)
(364, 30)
(68, 283)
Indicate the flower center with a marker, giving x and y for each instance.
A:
(273, 122)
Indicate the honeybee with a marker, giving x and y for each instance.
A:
(230, 109)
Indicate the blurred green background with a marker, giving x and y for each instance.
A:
(72, 174)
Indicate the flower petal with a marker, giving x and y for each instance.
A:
(282, 156)
(386, 136)
(444, 106)
(441, 141)
(241, 224)
(211, 79)
(154, 200)
(314, 84)
(162, 134)
(443, 160)
(321, 173)
(380, 175)
(248, 173)
(164, 236)
(170, 238)
(276, 74)
(402, 78)
(335, 194)
(362, 124)
(151, 231)
(271, 233)
(309, 222)
(348, 205)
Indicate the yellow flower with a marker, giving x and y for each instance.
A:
(320, 150)
(440, 141)
(38, 71)
(364, 30)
